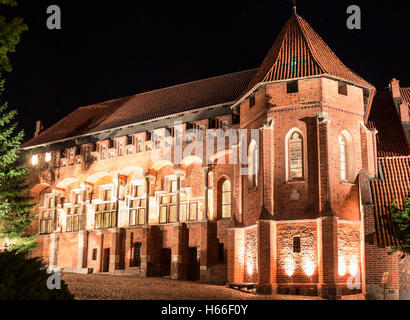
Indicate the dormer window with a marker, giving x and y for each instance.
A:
(292, 87)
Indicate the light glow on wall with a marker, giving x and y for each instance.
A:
(48, 157)
(353, 266)
(34, 160)
(309, 266)
(249, 266)
(289, 266)
(342, 265)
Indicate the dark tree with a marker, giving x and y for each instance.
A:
(15, 206)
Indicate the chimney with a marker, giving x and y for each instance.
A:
(394, 87)
(39, 128)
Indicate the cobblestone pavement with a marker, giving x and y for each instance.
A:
(109, 287)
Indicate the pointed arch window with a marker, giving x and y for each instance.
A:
(226, 199)
(295, 156)
(253, 165)
(343, 157)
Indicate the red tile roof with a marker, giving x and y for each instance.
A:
(391, 140)
(405, 94)
(300, 52)
(395, 185)
(146, 106)
(394, 159)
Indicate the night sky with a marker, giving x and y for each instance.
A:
(112, 49)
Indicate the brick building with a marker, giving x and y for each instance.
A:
(304, 212)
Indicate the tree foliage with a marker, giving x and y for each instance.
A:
(401, 219)
(15, 206)
(26, 279)
(10, 32)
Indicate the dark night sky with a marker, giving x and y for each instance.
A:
(112, 49)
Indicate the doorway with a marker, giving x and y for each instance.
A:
(165, 263)
(193, 264)
(106, 260)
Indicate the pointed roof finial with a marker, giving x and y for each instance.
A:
(294, 6)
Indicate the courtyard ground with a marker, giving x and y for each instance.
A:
(109, 287)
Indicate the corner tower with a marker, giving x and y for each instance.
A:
(311, 111)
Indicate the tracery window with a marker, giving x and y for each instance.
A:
(295, 156)
(253, 159)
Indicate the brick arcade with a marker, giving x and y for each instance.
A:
(308, 217)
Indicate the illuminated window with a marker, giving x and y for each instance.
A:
(138, 191)
(76, 215)
(342, 154)
(253, 159)
(34, 160)
(173, 186)
(163, 214)
(48, 216)
(107, 195)
(137, 211)
(193, 211)
(183, 212)
(226, 199)
(105, 213)
(295, 156)
(48, 157)
(173, 213)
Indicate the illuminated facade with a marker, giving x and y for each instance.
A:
(114, 199)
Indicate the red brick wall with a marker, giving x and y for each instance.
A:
(67, 250)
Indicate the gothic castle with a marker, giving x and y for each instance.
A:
(306, 211)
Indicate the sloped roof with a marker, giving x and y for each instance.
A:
(394, 160)
(300, 52)
(146, 106)
(391, 140)
(405, 94)
(395, 185)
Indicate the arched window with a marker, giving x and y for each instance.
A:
(226, 199)
(253, 165)
(343, 157)
(295, 156)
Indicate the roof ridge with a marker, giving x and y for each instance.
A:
(169, 87)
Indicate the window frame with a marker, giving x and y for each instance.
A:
(109, 208)
(253, 165)
(50, 220)
(292, 86)
(223, 204)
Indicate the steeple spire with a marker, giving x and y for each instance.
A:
(294, 6)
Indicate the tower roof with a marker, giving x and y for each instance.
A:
(300, 52)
